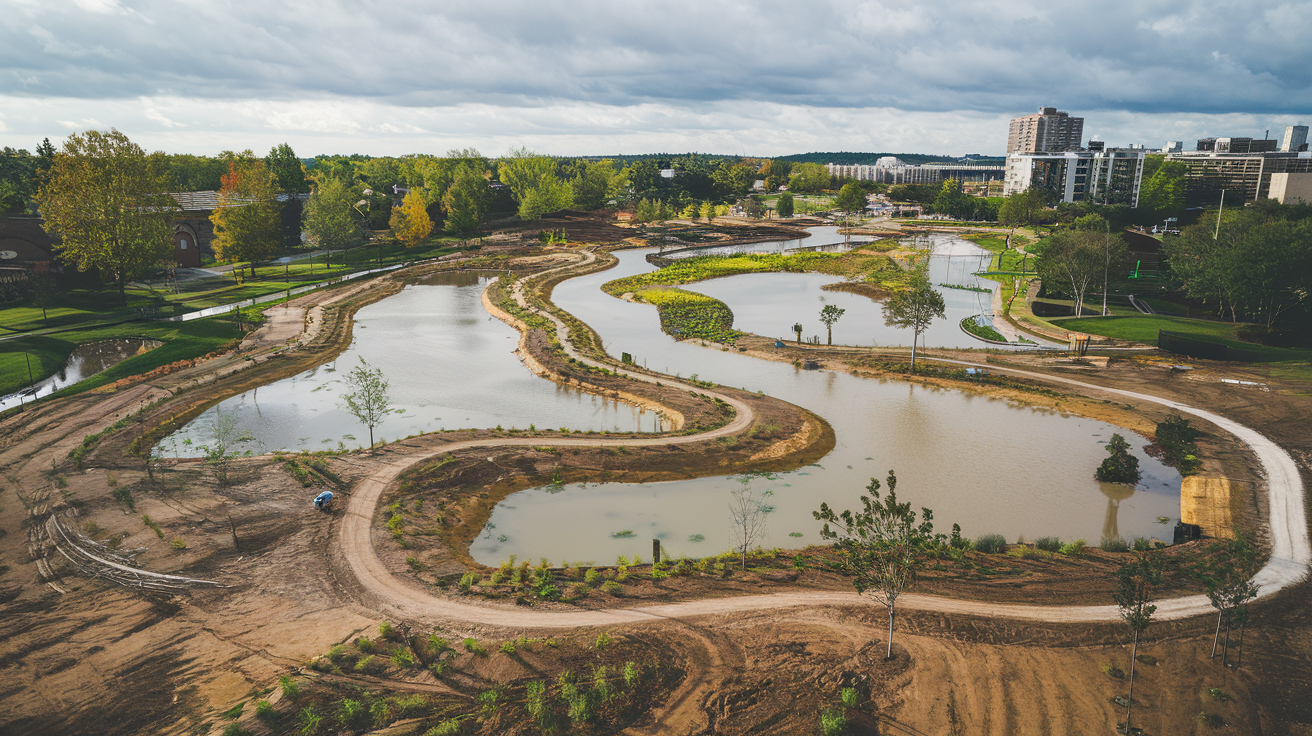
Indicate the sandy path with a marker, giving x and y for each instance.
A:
(1290, 558)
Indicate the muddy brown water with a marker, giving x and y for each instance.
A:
(450, 364)
(987, 464)
(85, 361)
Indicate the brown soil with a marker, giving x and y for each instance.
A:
(84, 655)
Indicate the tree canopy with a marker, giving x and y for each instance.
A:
(330, 223)
(246, 226)
(1257, 265)
(105, 201)
(915, 306)
(410, 222)
(879, 546)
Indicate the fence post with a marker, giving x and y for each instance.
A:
(655, 551)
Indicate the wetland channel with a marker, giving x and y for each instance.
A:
(991, 465)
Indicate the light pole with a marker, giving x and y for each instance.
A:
(364, 219)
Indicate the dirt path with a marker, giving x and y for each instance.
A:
(1290, 558)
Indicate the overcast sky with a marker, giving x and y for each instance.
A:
(583, 77)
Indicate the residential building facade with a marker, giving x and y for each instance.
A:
(1048, 131)
(1109, 176)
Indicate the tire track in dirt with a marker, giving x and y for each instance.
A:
(1291, 551)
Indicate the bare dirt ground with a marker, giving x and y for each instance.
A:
(87, 655)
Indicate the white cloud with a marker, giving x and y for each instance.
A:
(566, 127)
(686, 72)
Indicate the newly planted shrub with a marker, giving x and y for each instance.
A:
(1073, 548)
(991, 544)
(290, 690)
(603, 641)
(473, 647)
(264, 711)
(1114, 544)
(1048, 544)
(848, 696)
(832, 722)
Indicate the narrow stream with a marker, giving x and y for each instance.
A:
(990, 465)
(85, 361)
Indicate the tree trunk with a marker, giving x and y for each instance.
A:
(744, 556)
(1225, 647)
(914, 339)
(371, 437)
(892, 610)
(1129, 709)
(1242, 626)
(1217, 636)
(123, 290)
(831, 336)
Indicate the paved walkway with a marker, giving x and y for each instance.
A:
(1290, 558)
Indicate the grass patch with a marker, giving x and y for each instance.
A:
(689, 315)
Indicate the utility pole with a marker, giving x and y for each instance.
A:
(1217, 233)
(1106, 264)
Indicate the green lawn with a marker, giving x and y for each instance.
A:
(82, 315)
(182, 340)
(1143, 328)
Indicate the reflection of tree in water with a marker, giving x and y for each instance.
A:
(1115, 493)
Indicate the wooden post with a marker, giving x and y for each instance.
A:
(655, 551)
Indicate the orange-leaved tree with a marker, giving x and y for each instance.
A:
(246, 226)
(410, 222)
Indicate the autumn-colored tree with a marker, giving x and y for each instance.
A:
(104, 198)
(246, 226)
(410, 222)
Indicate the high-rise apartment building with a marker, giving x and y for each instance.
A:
(1109, 176)
(1048, 131)
(1295, 139)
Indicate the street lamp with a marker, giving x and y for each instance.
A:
(364, 220)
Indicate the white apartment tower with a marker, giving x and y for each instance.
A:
(1048, 131)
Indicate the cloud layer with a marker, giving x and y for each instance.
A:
(594, 77)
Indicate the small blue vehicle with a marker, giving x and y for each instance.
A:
(323, 501)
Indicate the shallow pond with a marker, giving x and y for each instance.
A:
(987, 464)
(451, 365)
(85, 361)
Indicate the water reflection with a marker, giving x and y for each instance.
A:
(85, 361)
(988, 464)
(451, 366)
(1115, 493)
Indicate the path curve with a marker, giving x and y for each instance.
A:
(1290, 556)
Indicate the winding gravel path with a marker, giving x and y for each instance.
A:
(1289, 563)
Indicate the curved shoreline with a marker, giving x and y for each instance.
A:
(1288, 565)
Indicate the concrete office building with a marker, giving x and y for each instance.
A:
(1048, 131)
(1244, 177)
(1295, 139)
(1109, 176)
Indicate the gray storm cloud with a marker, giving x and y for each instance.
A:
(718, 66)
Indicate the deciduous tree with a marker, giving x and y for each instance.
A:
(1072, 260)
(330, 223)
(830, 314)
(747, 512)
(246, 226)
(410, 222)
(784, 207)
(366, 396)
(879, 546)
(916, 306)
(1136, 587)
(465, 201)
(105, 201)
